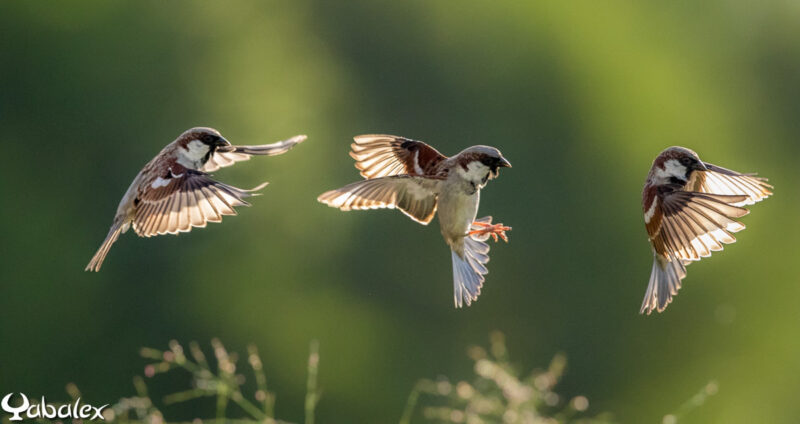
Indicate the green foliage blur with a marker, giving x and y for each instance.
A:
(579, 96)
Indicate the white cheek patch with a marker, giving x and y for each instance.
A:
(675, 168)
(192, 155)
(195, 150)
(672, 168)
(475, 171)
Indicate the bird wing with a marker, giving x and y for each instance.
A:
(379, 155)
(691, 225)
(718, 180)
(176, 203)
(415, 196)
(228, 155)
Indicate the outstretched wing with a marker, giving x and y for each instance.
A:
(177, 203)
(228, 155)
(690, 225)
(414, 196)
(718, 180)
(379, 155)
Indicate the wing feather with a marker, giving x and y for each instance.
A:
(191, 200)
(696, 224)
(164, 223)
(228, 155)
(194, 215)
(380, 155)
(414, 195)
(219, 202)
(718, 180)
(185, 221)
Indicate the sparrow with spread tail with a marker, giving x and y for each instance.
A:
(412, 176)
(174, 191)
(690, 210)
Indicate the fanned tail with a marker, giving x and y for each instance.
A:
(665, 281)
(97, 259)
(469, 270)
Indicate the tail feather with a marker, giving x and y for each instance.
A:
(665, 281)
(97, 259)
(469, 271)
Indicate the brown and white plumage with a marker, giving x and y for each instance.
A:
(380, 155)
(174, 193)
(191, 200)
(412, 176)
(690, 210)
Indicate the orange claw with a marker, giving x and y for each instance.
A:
(494, 230)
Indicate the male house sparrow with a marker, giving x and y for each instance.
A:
(174, 191)
(689, 211)
(415, 178)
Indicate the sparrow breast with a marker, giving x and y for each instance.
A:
(458, 207)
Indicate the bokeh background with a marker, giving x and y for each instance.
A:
(580, 96)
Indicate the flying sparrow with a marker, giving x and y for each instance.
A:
(174, 191)
(690, 210)
(415, 178)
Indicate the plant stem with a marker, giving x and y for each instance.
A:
(411, 404)
(311, 386)
(248, 407)
(222, 404)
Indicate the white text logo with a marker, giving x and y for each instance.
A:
(43, 410)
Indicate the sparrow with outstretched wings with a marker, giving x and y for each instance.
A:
(690, 210)
(413, 177)
(174, 191)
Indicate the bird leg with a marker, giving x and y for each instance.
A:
(486, 229)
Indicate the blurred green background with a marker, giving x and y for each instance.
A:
(579, 96)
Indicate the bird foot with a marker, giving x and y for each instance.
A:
(486, 230)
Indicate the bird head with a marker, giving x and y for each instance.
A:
(675, 165)
(209, 137)
(482, 163)
(196, 145)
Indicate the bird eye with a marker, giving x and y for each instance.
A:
(686, 161)
(487, 161)
(208, 139)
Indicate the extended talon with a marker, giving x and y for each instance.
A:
(493, 230)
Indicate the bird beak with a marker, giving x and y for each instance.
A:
(700, 166)
(223, 145)
(504, 163)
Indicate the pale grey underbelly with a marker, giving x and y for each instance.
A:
(457, 211)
